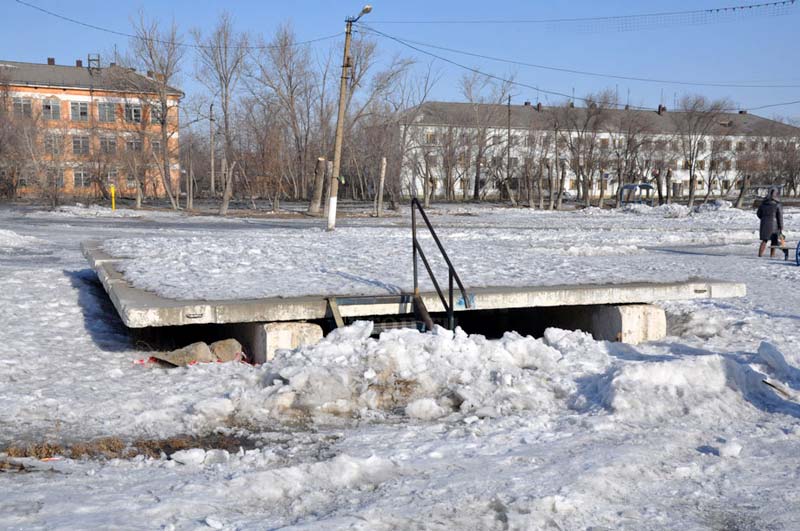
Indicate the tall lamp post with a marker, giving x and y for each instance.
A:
(337, 145)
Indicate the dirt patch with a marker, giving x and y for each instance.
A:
(116, 448)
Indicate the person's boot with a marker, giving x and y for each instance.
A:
(772, 252)
(761, 249)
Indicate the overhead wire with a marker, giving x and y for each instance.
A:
(626, 22)
(598, 74)
(526, 85)
(160, 41)
(480, 72)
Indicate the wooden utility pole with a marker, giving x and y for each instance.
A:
(337, 145)
(211, 137)
(508, 148)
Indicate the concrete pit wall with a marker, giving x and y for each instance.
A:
(627, 323)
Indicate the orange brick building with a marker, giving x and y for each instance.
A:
(82, 128)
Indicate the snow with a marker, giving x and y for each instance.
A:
(529, 248)
(444, 430)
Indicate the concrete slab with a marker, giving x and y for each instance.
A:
(139, 308)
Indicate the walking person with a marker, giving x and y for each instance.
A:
(770, 213)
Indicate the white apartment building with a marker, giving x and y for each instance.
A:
(607, 147)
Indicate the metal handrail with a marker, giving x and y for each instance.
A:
(451, 271)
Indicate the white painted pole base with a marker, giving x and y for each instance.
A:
(332, 213)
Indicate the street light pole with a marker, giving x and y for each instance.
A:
(337, 145)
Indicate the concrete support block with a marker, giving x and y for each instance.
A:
(629, 323)
(261, 340)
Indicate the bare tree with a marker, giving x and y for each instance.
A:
(282, 72)
(580, 130)
(480, 90)
(694, 122)
(221, 62)
(160, 51)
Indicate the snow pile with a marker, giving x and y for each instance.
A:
(11, 240)
(313, 483)
(714, 206)
(712, 387)
(429, 376)
(94, 211)
(665, 211)
(600, 250)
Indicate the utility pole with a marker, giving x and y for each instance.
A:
(337, 146)
(211, 136)
(508, 150)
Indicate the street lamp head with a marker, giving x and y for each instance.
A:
(366, 9)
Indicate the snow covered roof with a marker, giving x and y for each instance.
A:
(112, 78)
(458, 114)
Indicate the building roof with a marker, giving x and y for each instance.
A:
(530, 117)
(113, 78)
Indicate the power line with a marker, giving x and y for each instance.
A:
(595, 74)
(139, 37)
(537, 88)
(480, 72)
(629, 22)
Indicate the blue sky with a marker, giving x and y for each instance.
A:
(749, 49)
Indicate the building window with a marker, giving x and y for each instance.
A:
(79, 111)
(80, 145)
(51, 110)
(726, 165)
(108, 145)
(112, 175)
(134, 144)
(726, 145)
(133, 113)
(687, 165)
(130, 181)
(430, 138)
(26, 178)
(701, 146)
(156, 146)
(23, 107)
(55, 177)
(81, 178)
(603, 143)
(107, 112)
(155, 114)
(739, 146)
(53, 144)
(701, 165)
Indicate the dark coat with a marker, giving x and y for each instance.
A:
(771, 215)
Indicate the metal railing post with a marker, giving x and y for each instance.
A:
(452, 276)
(414, 244)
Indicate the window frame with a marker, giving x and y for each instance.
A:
(80, 116)
(84, 142)
(22, 107)
(48, 106)
(103, 112)
(133, 113)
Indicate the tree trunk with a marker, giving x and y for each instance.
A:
(319, 179)
(381, 181)
(692, 184)
(740, 199)
(227, 176)
(561, 183)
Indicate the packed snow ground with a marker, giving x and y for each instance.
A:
(423, 431)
